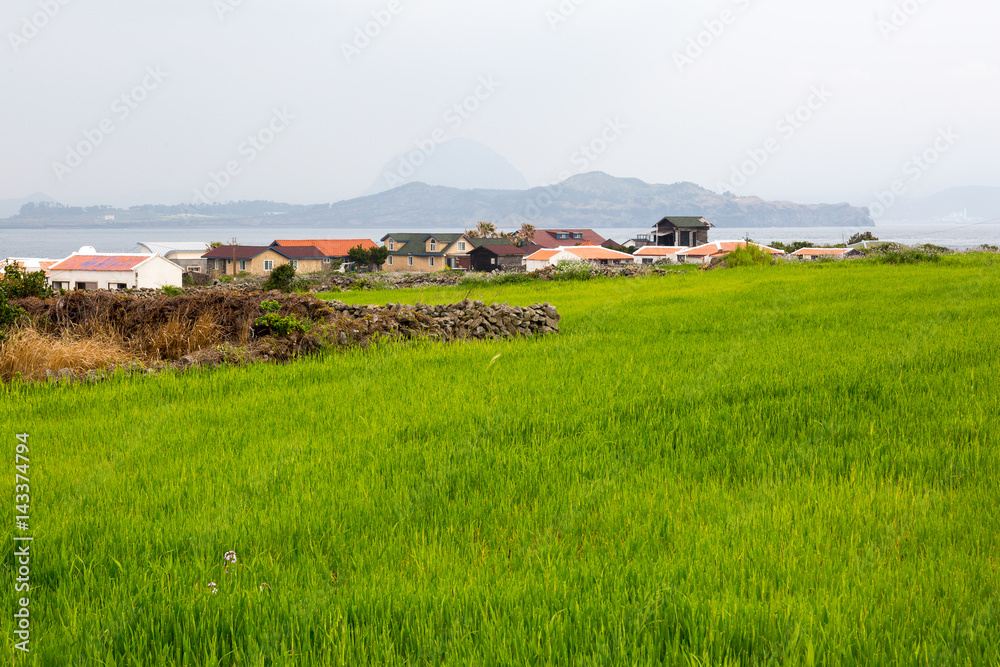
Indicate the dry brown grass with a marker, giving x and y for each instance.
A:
(177, 338)
(28, 354)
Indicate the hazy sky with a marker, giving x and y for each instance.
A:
(886, 80)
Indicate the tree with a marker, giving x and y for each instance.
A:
(484, 230)
(16, 283)
(281, 278)
(378, 256)
(524, 236)
(865, 236)
(360, 256)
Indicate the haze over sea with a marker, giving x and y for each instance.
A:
(58, 243)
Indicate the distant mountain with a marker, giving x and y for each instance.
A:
(9, 207)
(955, 204)
(458, 163)
(589, 200)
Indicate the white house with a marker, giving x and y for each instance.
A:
(594, 254)
(824, 253)
(652, 254)
(29, 264)
(188, 254)
(704, 254)
(114, 272)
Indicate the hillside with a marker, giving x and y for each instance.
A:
(587, 200)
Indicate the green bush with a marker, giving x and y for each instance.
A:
(281, 278)
(170, 290)
(573, 270)
(9, 315)
(893, 253)
(748, 255)
(275, 324)
(16, 283)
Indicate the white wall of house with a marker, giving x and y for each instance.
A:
(535, 264)
(158, 272)
(154, 273)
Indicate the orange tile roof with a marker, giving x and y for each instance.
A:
(330, 247)
(596, 252)
(822, 251)
(543, 255)
(100, 262)
(658, 251)
(722, 248)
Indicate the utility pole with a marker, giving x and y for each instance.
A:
(233, 244)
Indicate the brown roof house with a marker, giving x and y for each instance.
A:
(496, 256)
(261, 260)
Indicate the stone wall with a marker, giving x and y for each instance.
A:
(459, 321)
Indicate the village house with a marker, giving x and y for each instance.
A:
(704, 254)
(543, 239)
(652, 254)
(593, 254)
(187, 254)
(93, 271)
(29, 264)
(808, 254)
(333, 249)
(427, 253)
(496, 256)
(230, 260)
(683, 231)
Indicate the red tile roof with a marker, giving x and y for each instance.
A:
(100, 262)
(299, 252)
(543, 255)
(547, 237)
(596, 252)
(330, 247)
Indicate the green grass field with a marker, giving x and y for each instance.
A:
(796, 465)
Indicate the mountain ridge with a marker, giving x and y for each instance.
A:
(589, 200)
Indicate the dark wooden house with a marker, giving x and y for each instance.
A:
(686, 232)
(496, 257)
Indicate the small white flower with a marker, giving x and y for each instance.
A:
(230, 557)
(265, 585)
(213, 587)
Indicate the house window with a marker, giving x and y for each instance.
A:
(390, 260)
(461, 246)
(295, 264)
(578, 235)
(409, 260)
(434, 246)
(326, 260)
(430, 261)
(243, 265)
(268, 264)
(562, 236)
(392, 246)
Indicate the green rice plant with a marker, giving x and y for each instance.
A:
(723, 467)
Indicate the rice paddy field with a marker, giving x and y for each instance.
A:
(795, 465)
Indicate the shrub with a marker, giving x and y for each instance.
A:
(573, 270)
(9, 315)
(864, 236)
(748, 255)
(893, 253)
(16, 283)
(170, 290)
(275, 324)
(281, 278)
